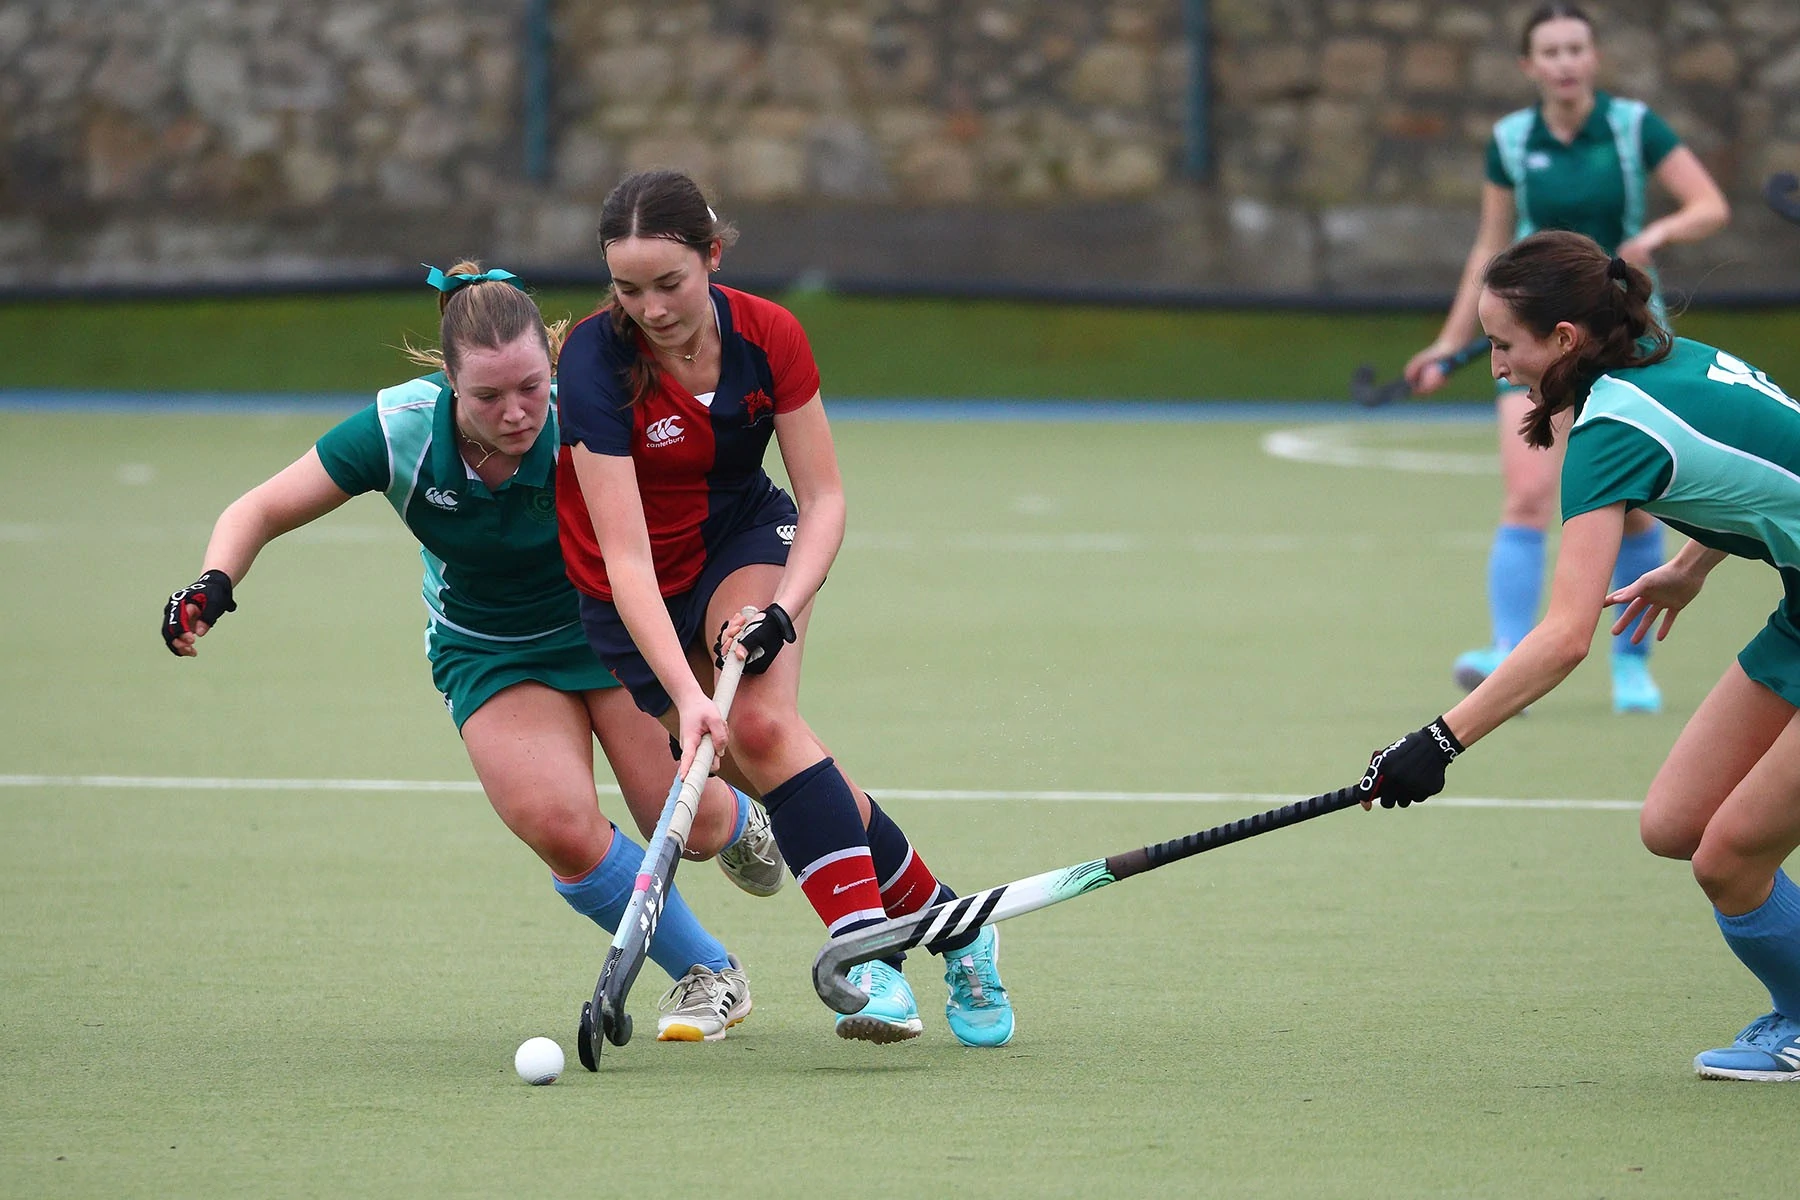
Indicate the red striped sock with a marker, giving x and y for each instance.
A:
(841, 888)
(909, 889)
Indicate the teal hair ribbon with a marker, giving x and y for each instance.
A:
(450, 283)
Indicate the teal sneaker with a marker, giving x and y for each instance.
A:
(891, 1015)
(1471, 668)
(1767, 1051)
(978, 1010)
(1633, 689)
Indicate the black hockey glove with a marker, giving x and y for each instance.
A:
(762, 639)
(1411, 770)
(211, 594)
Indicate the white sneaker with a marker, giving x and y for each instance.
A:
(752, 862)
(703, 1004)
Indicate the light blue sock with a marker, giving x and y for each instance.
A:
(743, 817)
(1515, 581)
(601, 896)
(1767, 940)
(1638, 553)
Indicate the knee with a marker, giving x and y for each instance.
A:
(1715, 870)
(1734, 882)
(757, 733)
(713, 822)
(569, 840)
(1666, 835)
(1529, 505)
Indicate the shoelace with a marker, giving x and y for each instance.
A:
(680, 996)
(1767, 1030)
(970, 992)
(747, 846)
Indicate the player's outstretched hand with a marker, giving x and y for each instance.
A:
(195, 609)
(761, 637)
(1411, 770)
(1663, 593)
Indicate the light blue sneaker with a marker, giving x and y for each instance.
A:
(1474, 666)
(978, 1010)
(1767, 1051)
(1633, 689)
(891, 1015)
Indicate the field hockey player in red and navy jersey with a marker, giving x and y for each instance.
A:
(670, 526)
(464, 456)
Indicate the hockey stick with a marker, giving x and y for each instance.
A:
(1366, 392)
(965, 914)
(605, 1015)
(1781, 192)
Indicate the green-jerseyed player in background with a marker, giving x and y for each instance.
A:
(1711, 446)
(467, 458)
(1582, 160)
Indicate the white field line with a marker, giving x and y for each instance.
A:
(1266, 799)
(1345, 446)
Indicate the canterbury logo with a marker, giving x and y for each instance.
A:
(442, 499)
(786, 534)
(665, 432)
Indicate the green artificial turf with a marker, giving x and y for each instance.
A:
(214, 988)
(865, 346)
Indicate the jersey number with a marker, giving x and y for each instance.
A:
(1727, 369)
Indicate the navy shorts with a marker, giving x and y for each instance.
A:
(764, 540)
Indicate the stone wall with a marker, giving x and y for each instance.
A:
(1002, 143)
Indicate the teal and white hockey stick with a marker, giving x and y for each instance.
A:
(941, 922)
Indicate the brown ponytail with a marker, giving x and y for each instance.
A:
(1558, 276)
(487, 314)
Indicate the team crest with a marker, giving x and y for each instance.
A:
(757, 405)
(542, 505)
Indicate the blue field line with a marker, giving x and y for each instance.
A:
(903, 409)
(247, 403)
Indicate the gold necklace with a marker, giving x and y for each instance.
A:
(487, 451)
(700, 340)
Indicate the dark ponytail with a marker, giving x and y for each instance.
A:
(655, 204)
(1558, 276)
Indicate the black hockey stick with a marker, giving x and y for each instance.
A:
(1781, 192)
(1366, 392)
(941, 922)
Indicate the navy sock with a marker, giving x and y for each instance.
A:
(1638, 553)
(1515, 581)
(821, 835)
(602, 894)
(1767, 940)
